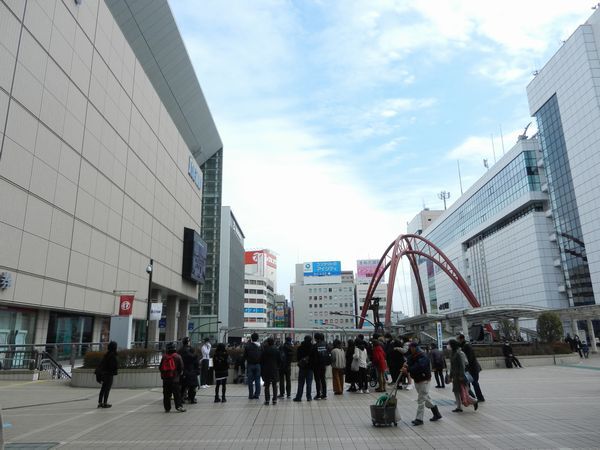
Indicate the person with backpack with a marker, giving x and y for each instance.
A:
(286, 353)
(105, 372)
(321, 359)
(221, 368)
(269, 369)
(419, 367)
(305, 371)
(171, 370)
(252, 354)
(338, 365)
(438, 365)
(191, 370)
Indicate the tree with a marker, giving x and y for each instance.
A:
(507, 329)
(549, 327)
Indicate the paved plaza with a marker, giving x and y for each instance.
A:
(541, 407)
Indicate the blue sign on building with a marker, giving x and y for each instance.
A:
(190, 326)
(322, 269)
(162, 323)
(255, 310)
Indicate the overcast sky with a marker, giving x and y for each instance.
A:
(341, 119)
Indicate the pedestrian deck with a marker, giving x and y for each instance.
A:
(539, 407)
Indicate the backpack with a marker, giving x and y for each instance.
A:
(324, 355)
(168, 368)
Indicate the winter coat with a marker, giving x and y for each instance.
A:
(473, 366)
(303, 354)
(191, 366)
(221, 365)
(379, 358)
(178, 366)
(438, 362)
(457, 370)
(108, 365)
(287, 350)
(338, 358)
(507, 350)
(252, 353)
(419, 366)
(269, 364)
(361, 355)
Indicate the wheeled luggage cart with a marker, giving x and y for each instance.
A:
(386, 415)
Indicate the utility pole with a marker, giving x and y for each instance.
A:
(444, 195)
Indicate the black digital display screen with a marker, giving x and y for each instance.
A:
(194, 256)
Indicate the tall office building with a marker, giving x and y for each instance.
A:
(260, 287)
(104, 130)
(564, 97)
(499, 235)
(321, 291)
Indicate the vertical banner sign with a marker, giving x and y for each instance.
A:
(126, 305)
(439, 335)
(156, 311)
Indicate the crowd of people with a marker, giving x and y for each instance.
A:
(383, 361)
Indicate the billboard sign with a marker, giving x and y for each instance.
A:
(261, 257)
(365, 270)
(156, 311)
(194, 256)
(323, 272)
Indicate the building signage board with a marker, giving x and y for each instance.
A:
(195, 173)
(156, 311)
(323, 272)
(439, 335)
(126, 305)
(365, 270)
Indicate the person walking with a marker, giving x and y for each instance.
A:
(286, 354)
(269, 369)
(351, 375)
(360, 354)
(419, 367)
(191, 370)
(338, 365)
(105, 373)
(322, 359)
(577, 345)
(305, 371)
(473, 366)
(380, 365)
(438, 364)
(510, 359)
(204, 363)
(252, 354)
(171, 369)
(221, 368)
(457, 375)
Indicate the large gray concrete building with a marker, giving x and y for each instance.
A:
(104, 135)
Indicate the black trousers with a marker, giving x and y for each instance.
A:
(439, 378)
(320, 381)
(204, 372)
(171, 387)
(362, 379)
(476, 387)
(285, 381)
(268, 385)
(107, 381)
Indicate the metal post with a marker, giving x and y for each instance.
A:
(150, 269)
(590, 326)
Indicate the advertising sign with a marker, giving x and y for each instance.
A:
(261, 257)
(194, 256)
(162, 323)
(126, 305)
(439, 335)
(365, 270)
(323, 272)
(255, 310)
(155, 311)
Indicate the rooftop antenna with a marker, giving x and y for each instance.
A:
(523, 136)
(502, 139)
(485, 163)
(444, 195)
(493, 148)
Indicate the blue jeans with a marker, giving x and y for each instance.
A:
(305, 375)
(253, 378)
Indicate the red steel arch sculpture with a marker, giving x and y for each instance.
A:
(411, 246)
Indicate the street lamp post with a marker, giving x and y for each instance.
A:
(336, 313)
(149, 271)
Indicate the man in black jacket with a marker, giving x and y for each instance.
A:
(473, 366)
(252, 354)
(321, 358)
(269, 366)
(191, 370)
(509, 358)
(286, 352)
(419, 367)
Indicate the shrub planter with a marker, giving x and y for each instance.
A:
(127, 378)
(497, 362)
(23, 375)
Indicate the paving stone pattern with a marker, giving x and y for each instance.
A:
(538, 407)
